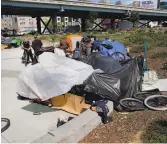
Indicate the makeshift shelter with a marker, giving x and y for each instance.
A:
(70, 103)
(52, 76)
(116, 82)
(107, 48)
(71, 41)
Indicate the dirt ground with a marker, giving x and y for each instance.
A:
(129, 127)
(125, 128)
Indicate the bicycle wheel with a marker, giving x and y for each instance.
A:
(5, 124)
(156, 102)
(118, 56)
(143, 95)
(132, 104)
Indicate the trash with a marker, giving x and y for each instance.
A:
(151, 81)
(37, 113)
(117, 81)
(61, 121)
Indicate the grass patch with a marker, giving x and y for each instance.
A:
(134, 38)
(156, 133)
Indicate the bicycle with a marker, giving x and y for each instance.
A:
(156, 102)
(7, 121)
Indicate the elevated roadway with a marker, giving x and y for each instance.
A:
(78, 9)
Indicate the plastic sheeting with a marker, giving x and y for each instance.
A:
(116, 47)
(52, 76)
(59, 52)
(117, 81)
(103, 84)
(106, 64)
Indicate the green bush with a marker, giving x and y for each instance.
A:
(156, 133)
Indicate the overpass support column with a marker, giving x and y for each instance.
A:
(112, 23)
(83, 24)
(39, 25)
(159, 22)
(54, 23)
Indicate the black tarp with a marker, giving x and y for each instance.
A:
(106, 64)
(116, 82)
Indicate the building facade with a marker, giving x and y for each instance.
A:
(6, 22)
(27, 24)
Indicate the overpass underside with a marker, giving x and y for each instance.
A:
(27, 11)
(73, 9)
(39, 8)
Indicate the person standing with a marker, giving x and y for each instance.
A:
(36, 45)
(27, 48)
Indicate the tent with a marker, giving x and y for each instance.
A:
(115, 46)
(71, 41)
(52, 76)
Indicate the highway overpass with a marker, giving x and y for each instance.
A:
(75, 9)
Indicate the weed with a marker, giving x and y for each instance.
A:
(156, 133)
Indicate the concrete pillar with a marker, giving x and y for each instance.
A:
(38, 25)
(112, 23)
(54, 23)
(159, 22)
(83, 24)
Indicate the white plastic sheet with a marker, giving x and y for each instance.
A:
(59, 52)
(150, 80)
(53, 76)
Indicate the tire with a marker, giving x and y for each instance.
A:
(7, 124)
(156, 100)
(132, 104)
(117, 54)
(143, 95)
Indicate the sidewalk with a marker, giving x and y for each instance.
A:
(25, 127)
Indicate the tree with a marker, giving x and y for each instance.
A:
(134, 18)
(93, 15)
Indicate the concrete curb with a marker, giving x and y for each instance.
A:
(74, 130)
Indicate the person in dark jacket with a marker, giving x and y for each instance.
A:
(27, 49)
(36, 45)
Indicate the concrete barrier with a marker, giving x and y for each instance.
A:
(74, 130)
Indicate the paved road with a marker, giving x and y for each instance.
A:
(25, 127)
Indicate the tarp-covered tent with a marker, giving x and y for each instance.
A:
(117, 81)
(116, 46)
(52, 76)
(71, 41)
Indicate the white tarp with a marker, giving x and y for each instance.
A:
(59, 52)
(151, 81)
(52, 76)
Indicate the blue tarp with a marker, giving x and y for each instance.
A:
(96, 44)
(116, 47)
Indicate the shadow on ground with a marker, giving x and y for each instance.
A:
(34, 107)
(156, 132)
